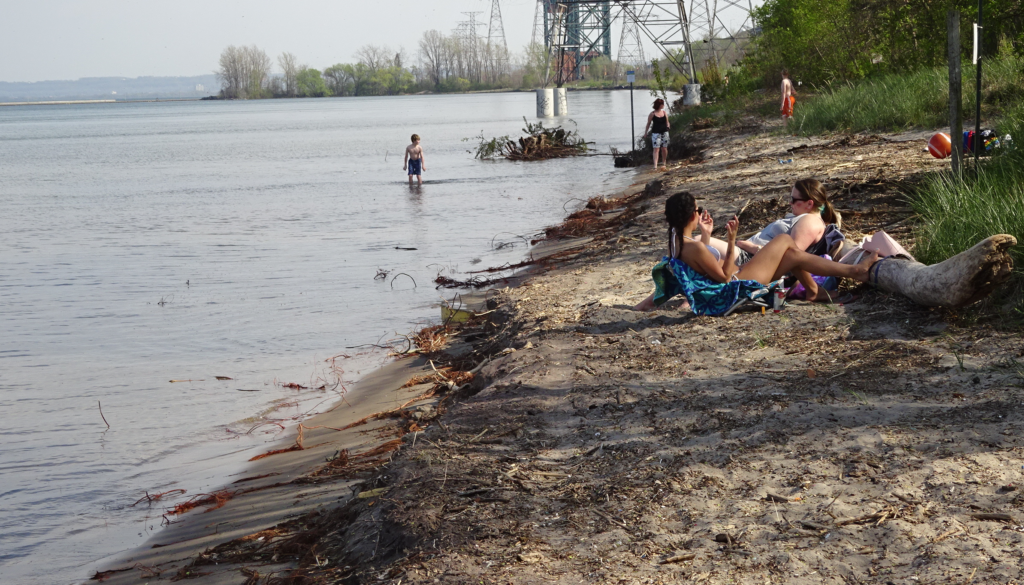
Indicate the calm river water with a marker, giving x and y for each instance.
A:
(143, 243)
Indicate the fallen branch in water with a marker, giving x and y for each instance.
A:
(101, 414)
(540, 143)
(472, 282)
(150, 498)
(403, 274)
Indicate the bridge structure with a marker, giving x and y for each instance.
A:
(687, 33)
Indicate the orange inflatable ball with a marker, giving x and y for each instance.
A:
(939, 145)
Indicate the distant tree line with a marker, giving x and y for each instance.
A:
(443, 63)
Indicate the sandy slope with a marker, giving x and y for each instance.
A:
(856, 443)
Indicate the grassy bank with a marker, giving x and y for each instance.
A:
(897, 102)
(957, 213)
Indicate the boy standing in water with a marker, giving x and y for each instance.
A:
(414, 160)
(788, 95)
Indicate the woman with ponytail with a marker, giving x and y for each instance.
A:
(811, 213)
(712, 283)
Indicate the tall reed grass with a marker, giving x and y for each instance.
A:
(897, 102)
(957, 213)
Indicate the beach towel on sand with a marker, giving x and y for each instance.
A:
(707, 297)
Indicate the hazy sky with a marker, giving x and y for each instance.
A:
(69, 39)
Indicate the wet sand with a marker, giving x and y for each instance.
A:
(282, 488)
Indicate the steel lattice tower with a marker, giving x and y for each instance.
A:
(576, 31)
(631, 50)
(689, 39)
(497, 48)
(537, 36)
(469, 64)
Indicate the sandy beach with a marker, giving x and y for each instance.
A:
(565, 438)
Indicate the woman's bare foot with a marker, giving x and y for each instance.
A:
(645, 305)
(864, 267)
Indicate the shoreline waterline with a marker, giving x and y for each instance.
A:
(260, 227)
(279, 478)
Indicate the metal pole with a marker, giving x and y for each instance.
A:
(956, 125)
(977, 94)
(632, 121)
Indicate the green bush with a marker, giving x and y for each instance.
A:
(833, 41)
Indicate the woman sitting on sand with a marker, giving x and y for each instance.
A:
(811, 213)
(712, 285)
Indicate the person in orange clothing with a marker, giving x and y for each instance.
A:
(788, 95)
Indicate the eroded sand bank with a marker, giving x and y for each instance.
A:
(873, 441)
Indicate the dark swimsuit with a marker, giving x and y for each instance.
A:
(659, 125)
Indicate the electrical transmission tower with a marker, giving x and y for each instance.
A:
(691, 39)
(469, 58)
(688, 33)
(631, 49)
(710, 38)
(575, 32)
(497, 48)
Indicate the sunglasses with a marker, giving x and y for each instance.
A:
(796, 200)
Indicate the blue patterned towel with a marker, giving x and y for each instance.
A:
(707, 297)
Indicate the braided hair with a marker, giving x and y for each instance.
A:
(679, 208)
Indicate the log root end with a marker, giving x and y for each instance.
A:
(995, 266)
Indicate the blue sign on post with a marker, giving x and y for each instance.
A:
(630, 76)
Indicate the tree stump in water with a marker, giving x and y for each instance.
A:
(959, 281)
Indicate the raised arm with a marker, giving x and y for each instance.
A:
(728, 266)
(706, 225)
(699, 258)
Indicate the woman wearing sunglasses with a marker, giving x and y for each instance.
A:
(711, 283)
(811, 213)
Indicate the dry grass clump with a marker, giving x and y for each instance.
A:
(431, 339)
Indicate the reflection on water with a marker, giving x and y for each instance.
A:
(144, 243)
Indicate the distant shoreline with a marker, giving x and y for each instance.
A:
(76, 102)
(214, 98)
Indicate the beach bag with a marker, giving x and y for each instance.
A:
(877, 242)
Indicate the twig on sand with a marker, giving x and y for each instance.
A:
(677, 558)
(993, 517)
(101, 414)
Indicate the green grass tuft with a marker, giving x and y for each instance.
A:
(898, 102)
(957, 213)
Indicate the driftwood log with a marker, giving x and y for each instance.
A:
(959, 281)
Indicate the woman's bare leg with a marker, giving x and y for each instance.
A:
(664, 157)
(807, 280)
(781, 256)
(657, 151)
